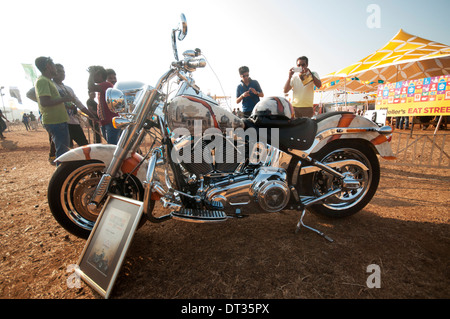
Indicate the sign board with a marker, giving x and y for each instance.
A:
(422, 97)
(108, 243)
(376, 116)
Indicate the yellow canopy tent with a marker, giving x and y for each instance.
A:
(404, 57)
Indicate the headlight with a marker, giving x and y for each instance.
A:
(115, 100)
(120, 99)
(131, 90)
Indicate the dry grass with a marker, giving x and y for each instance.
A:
(405, 230)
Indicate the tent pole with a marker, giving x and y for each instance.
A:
(345, 91)
(438, 124)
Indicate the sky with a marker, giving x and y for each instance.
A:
(133, 38)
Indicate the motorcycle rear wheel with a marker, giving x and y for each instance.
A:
(349, 202)
(71, 188)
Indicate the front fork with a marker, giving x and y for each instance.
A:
(125, 144)
(129, 141)
(157, 155)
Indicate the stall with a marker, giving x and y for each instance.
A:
(405, 57)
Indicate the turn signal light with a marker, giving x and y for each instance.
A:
(119, 122)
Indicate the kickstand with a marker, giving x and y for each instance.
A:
(300, 224)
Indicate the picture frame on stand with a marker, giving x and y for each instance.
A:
(108, 243)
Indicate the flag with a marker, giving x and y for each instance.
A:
(14, 92)
(30, 72)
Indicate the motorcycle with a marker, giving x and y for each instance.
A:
(327, 164)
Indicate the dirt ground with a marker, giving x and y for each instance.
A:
(405, 230)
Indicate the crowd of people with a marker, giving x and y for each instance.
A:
(301, 80)
(30, 121)
(59, 105)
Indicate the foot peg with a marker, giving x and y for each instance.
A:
(300, 224)
(199, 215)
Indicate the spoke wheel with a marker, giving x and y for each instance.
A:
(71, 189)
(350, 200)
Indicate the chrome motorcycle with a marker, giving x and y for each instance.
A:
(327, 165)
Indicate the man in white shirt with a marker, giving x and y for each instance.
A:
(302, 86)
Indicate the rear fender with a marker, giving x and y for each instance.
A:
(104, 153)
(352, 126)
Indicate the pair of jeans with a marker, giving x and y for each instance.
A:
(60, 137)
(401, 120)
(111, 134)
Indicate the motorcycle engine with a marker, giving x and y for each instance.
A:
(270, 189)
(267, 190)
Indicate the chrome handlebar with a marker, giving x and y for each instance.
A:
(189, 64)
(195, 63)
(189, 81)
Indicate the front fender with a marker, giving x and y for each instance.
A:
(352, 126)
(105, 153)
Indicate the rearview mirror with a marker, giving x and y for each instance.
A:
(182, 31)
(184, 28)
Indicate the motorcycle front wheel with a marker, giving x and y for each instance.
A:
(346, 202)
(71, 188)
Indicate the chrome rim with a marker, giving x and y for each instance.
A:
(324, 182)
(76, 193)
(78, 188)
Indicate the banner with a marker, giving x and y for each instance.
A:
(422, 97)
(14, 92)
(30, 72)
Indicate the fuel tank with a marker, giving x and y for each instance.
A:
(185, 111)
